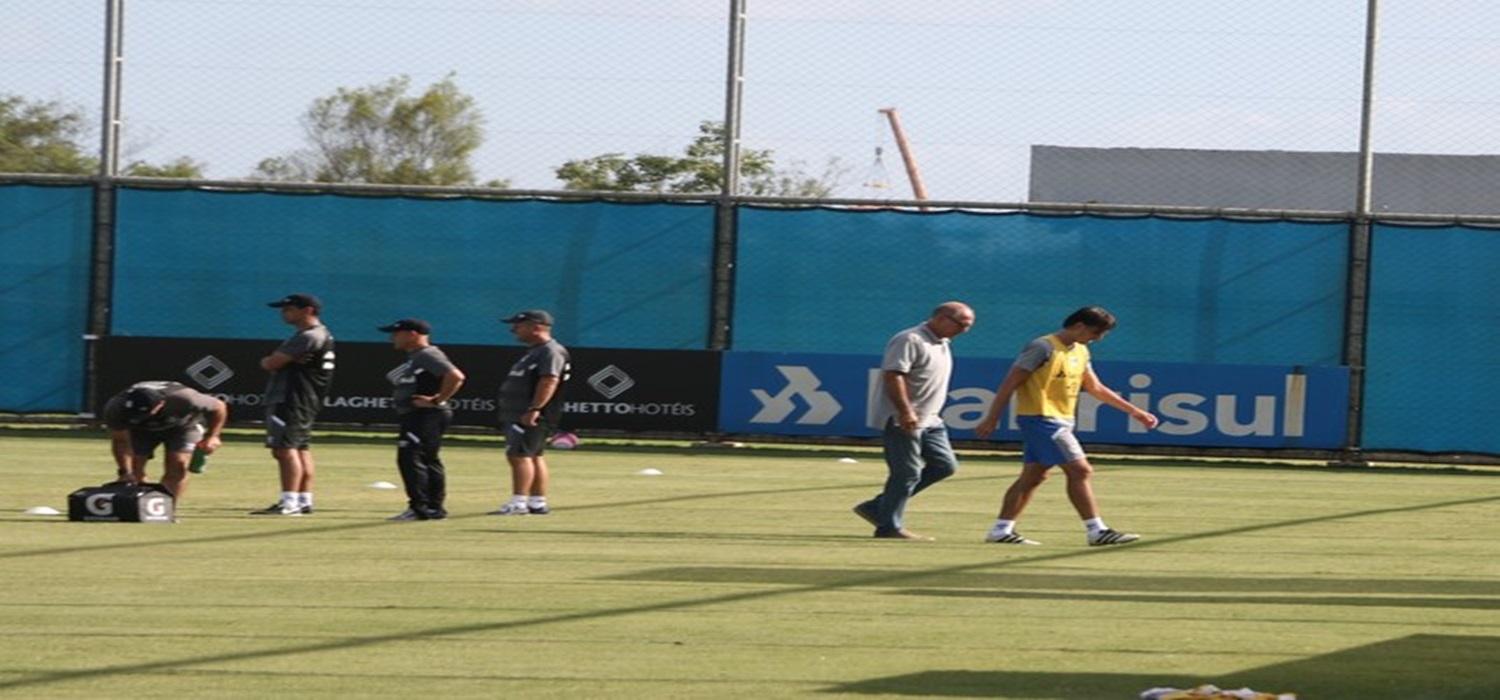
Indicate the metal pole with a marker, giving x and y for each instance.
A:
(114, 58)
(1363, 203)
(1356, 317)
(726, 220)
(734, 84)
(101, 278)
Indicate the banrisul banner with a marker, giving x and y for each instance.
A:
(610, 389)
(1200, 405)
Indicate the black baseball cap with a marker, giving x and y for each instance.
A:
(537, 316)
(140, 401)
(301, 301)
(408, 324)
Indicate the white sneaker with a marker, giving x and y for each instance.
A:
(1008, 538)
(1108, 536)
(512, 509)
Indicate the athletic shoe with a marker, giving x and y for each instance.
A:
(1107, 536)
(277, 509)
(866, 510)
(305, 510)
(1008, 538)
(406, 515)
(512, 509)
(538, 510)
(902, 534)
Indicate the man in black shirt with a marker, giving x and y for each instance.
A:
(421, 387)
(301, 373)
(168, 414)
(530, 406)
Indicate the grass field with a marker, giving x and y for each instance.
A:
(741, 573)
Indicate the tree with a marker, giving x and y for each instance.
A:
(42, 137)
(377, 134)
(184, 167)
(700, 169)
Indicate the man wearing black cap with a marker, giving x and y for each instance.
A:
(301, 372)
(168, 414)
(530, 406)
(422, 386)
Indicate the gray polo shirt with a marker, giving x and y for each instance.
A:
(927, 362)
(421, 375)
(306, 381)
(184, 407)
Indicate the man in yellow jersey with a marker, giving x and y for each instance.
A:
(1045, 380)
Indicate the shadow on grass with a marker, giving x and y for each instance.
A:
(1419, 666)
(301, 526)
(838, 581)
(1208, 590)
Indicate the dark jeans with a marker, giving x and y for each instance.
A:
(915, 462)
(417, 450)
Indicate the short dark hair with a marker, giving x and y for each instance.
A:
(1095, 317)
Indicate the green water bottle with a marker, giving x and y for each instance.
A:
(199, 461)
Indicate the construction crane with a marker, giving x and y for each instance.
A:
(918, 190)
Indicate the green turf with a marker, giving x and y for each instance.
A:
(741, 573)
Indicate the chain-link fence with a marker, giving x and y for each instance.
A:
(1121, 108)
(977, 84)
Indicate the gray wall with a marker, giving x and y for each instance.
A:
(1407, 183)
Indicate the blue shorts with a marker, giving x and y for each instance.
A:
(1048, 441)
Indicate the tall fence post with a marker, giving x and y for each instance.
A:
(102, 260)
(726, 219)
(1356, 316)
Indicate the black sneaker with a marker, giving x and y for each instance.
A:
(866, 510)
(305, 510)
(406, 516)
(277, 509)
(538, 510)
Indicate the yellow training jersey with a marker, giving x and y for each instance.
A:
(1052, 390)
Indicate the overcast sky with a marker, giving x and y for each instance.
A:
(977, 82)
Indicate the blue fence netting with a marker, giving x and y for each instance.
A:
(835, 281)
(1431, 369)
(202, 264)
(45, 253)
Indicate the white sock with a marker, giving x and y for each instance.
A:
(288, 498)
(1094, 524)
(304, 498)
(536, 501)
(518, 498)
(1003, 527)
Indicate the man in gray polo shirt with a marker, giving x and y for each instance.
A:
(421, 387)
(166, 414)
(913, 388)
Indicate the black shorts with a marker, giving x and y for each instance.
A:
(521, 441)
(180, 439)
(289, 426)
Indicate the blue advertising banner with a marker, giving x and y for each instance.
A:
(1200, 405)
